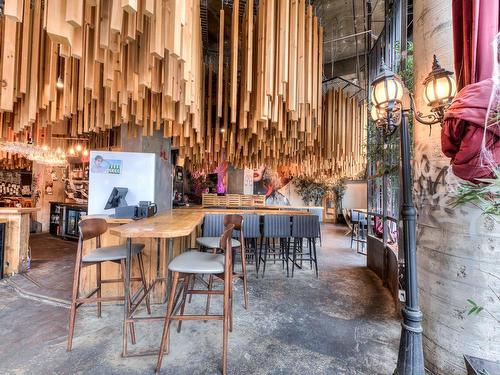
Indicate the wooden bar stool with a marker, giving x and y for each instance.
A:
(89, 229)
(212, 243)
(196, 263)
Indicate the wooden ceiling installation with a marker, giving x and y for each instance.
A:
(344, 135)
(135, 62)
(97, 64)
(275, 115)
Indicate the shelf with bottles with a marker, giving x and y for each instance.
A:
(15, 183)
(76, 183)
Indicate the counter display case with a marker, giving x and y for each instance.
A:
(64, 218)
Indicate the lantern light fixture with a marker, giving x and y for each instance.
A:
(387, 88)
(387, 97)
(388, 113)
(440, 87)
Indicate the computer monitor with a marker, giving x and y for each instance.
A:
(117, 198)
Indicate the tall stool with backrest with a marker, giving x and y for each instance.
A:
(196, 263)
(251, 228)
(305, 227)
(275, 226)
(237, 222)
(90, 229)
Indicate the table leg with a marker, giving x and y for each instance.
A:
(170, 255)
(158, 257)
(126, 288)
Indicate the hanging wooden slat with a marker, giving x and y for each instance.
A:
(13, 9)
(221, 64)
(234, 59)
(140, 63)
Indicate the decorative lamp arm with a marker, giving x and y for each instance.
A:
(435, 117)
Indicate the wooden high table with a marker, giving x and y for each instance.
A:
(164, 226)
(169, 225)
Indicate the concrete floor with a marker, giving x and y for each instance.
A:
(342, 323)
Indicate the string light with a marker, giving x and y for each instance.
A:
(40, 154)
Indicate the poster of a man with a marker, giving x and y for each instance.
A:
(99, 165)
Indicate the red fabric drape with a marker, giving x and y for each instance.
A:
(475, 24)
(463, 129)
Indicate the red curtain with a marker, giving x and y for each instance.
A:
(475, 24)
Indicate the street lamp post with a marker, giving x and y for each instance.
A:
(388, 113)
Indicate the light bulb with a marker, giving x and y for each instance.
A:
(58, 151)
(78, 147)
(45, 147)
(71, 151)
(60, 83)
(85, 152)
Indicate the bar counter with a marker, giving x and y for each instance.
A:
(17, 237)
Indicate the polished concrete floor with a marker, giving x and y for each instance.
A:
(343, 322)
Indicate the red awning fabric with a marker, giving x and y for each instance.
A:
(475, 24)
(463, 130)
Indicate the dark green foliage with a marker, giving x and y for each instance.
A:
(485, 195)
(313, 190)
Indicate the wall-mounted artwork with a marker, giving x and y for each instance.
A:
(267, 181)
(101, 165)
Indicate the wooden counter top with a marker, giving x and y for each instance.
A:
(14, 210)
(178, 222)
(168, 224)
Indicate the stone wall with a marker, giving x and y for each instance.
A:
(458, 249)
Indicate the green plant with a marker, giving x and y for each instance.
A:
(476, 308)
(485, 195)
(313, 190)
(310, 191)
(338, 190)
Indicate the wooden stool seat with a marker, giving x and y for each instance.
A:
(110, 253)
(213, 242)
(197, 262)
(93, 228)
(186, 265)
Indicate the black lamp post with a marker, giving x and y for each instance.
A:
(388, 113)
